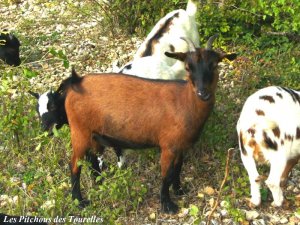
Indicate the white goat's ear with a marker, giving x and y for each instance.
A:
(176, 55)
(36, 95)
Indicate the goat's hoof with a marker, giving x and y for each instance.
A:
(179, 191)
(251, 204)
(286, 204)
(84, 203)
(276, 204)
(169, 207)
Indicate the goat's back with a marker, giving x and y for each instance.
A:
(165, 36)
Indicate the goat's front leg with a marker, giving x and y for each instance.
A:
(178, 190)
(75, 183)
(278, 165)
(254, 178)
(168, 173)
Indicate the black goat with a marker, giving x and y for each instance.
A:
(10, 49)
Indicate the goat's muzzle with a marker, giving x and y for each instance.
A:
(204, 95)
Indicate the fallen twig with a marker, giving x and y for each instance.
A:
(229, 155)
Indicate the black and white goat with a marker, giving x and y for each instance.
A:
(150, 60)
(51, 110)
(269, 132)
(9, 49)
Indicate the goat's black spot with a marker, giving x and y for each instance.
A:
(279, 95)
(242, 144)
(161, 31)
(288, 137)
(293, 94)
(276, 132)
(260, 112)
(298, 133)
(267, 98)
(172, 48)
(251, 131)
(269, 142)
(128, 67)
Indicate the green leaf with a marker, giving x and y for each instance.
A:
(193, 210)
(55, 132)
(37, 148)
(264, 194)
(29, 73)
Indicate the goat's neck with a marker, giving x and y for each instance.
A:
(62, 110)
(198, 107)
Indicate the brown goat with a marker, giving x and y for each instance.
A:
(124, 111)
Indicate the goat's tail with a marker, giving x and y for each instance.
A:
(71, 81)
(191, 8)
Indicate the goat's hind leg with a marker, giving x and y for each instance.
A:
(278, 165)
(254, 178)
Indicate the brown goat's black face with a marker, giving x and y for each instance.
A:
(201, 66)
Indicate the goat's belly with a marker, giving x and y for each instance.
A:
(109, 141)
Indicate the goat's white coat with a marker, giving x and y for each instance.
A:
(284, 114)
(42, 103)
(156, 65)
(182, 26)
(121, 161)
(100, 161)
(154, 68)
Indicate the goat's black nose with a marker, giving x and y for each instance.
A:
(204, 95)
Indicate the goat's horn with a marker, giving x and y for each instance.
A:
(210, 41)
(191, 45)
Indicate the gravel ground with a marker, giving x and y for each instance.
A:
(41, 26)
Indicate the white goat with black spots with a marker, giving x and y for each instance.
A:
(150, 60)
(269, 132)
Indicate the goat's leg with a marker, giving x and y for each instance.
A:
(254, 178)
(289, 166)
(278, 165)
(79, 149)
(121, 157)
(96, 164)
(106, 141)
(168, 172)
(176, 181)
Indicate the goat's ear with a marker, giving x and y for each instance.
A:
(10, 37)
(230, 57)
(36, 95)
(176, 55)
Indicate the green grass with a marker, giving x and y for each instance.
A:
(34, 168)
